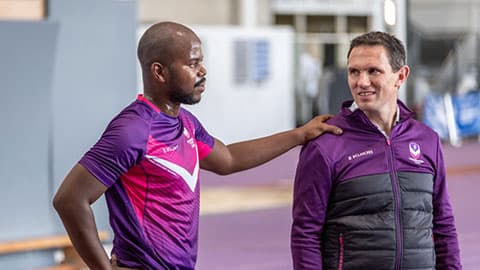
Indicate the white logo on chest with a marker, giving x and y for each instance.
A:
(188, 138)
(360, 154)
(415, 153)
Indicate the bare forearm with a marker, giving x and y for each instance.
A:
(81, 228)
(249, 154)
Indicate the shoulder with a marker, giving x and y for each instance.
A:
(417, 128)
(334, 147)
(137, 111)
(324, 146)
(190, 119)
(326, 141)
(188, 115)
(132, 123)
(206, 141)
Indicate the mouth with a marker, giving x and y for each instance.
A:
(200, 83)
(366, 93)
(200, 88)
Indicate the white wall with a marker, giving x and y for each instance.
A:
(237, 112)
(187, 11)
(234, 112)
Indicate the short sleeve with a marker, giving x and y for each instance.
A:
(121, 146)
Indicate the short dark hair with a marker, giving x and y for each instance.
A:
(160, 42)
(394, 47)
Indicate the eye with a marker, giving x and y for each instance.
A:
(374, 71)
(196, 63)
(353, 72)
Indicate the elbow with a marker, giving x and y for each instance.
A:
(62, 203)
(58, 203)
(226, 170)
(231, 166)
(220, 167)
(223, 172)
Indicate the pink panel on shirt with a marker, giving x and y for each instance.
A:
(135, 184)
(203, 149)
(156, 148)
(180, 153)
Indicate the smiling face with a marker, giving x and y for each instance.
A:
(372, 81)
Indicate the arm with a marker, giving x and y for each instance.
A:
(444, 231)
(72, 202)
(310, 201)
(248, 154)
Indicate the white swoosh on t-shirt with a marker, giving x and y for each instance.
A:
(190, 179)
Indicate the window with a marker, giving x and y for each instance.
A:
(320, 24)
(251, 58)
(357, 24)
(285, 20)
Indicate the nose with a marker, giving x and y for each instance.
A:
(202, 71)
(363, 79)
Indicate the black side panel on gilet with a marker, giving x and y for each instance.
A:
(360, 226)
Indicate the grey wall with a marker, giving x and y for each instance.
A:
(95, 76)
(61, 81)
(27, 53)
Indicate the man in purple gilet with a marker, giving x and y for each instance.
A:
(375, 197)
(148, 159)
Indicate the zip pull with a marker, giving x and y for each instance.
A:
(388, 142)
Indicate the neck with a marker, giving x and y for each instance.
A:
(164, 106)
(384, 123)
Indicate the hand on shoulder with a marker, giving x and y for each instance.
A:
(317, 126)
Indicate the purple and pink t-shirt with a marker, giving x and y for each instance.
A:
(150, 163)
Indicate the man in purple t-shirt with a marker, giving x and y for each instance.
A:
(147, 162)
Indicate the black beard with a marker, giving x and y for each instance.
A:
(184, 99)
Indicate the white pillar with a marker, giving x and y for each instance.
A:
(400, 31)
(401, 25)
(376, 17)
(248, 13)
(451, 125)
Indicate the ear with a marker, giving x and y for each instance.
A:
(158, 72)
(402, 75)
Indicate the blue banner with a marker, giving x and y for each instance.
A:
(434, 114)
(467, 113)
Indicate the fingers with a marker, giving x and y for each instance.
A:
(324, 117)
(332, 129)
(326, 127)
